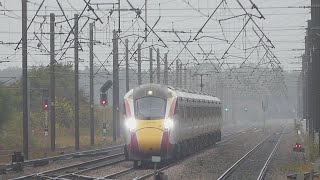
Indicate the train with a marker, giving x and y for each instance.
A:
(168, 122)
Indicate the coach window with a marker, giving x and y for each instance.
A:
(188, 118)
(207, 113)
(202, 111)
(212, 112)
(194, 113)
(199, 114)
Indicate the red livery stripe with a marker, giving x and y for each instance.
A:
(173, 105)
(128, 111)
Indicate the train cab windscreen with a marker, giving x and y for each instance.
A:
(150, 108)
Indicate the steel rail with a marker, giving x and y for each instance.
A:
(117, 174)
(227, 173)
(44, 173)
(176, 163)
(265, 167)
(70, 155)
(77, 174)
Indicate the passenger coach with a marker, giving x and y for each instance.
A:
(169, 122)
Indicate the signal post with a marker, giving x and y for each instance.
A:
(45, 106)
(104, 103)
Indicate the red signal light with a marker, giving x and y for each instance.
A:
(103, 99)
(298, 145)
(45, 104)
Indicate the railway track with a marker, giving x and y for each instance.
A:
(76, 171)
(254, 164)
(118, 174)
(148, 175)
(89, 153)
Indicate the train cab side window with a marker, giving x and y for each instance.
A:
(216, 111)
(181, 112)
(176, 109)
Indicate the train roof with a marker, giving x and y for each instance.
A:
(188, 94)
(163, 91)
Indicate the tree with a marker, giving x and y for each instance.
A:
(8, 104)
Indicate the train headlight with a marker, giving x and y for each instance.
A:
(131, 124)
(168, 124)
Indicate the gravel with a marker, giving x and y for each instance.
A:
(285, 161)
(209, 164)
(102, 172)
(51, 166)
(213, 162)
(251, 166)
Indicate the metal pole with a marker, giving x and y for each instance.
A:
(127, 65)
(139, 65)
(201, 85)
(185, 78)
(264, 115)
(115, 86)
(309, 84)
(52, 85)
(190, 79)
(146, 21)
(166, 68)
(155, 171)
(151, 66)
(315, 52)
(233, 108)
(91, 87)
(25, 79)
(158, 66)
(177, 73)
(45, 128)
(119, 14)
(76, 79)
(104, 122)
(29, 97)
(180, 75)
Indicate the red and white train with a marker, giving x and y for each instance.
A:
(169, 122)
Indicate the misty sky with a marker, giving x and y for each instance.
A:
(284, 25)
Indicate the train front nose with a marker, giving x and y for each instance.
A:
(149, 140)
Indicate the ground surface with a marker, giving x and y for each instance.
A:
(213, 162)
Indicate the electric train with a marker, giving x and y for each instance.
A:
(169, 122)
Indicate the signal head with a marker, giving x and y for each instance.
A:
(45, 104)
